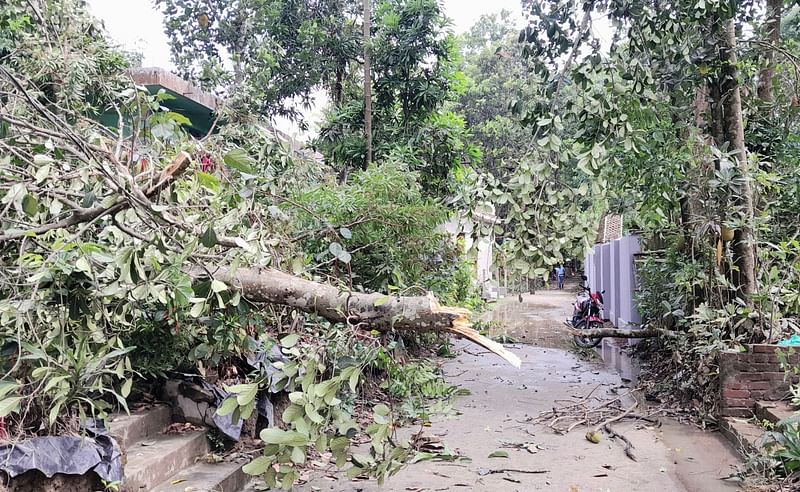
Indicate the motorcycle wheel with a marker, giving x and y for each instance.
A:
(587, 342)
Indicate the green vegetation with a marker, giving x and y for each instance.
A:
(685, 121)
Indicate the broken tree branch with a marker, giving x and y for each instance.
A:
(82, 215)
(620, 333)
(378, 311)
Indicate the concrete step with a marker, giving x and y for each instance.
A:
(255, 485)
(207, 477)
(747, 437)
(151, 462)
(774, 411)
(139, 425)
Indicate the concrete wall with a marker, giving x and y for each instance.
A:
(610, 267)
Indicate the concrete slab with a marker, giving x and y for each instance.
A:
(139, 425)
(207, 477)
(747, 437)
(151, 462)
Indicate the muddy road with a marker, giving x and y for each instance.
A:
(497, 416)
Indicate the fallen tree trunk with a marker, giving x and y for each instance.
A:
(378, 311)
(617, 333)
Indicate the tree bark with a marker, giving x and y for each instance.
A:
(377, 311)
(733, 133)
(617, 333)
(772, 26)
(368, 79)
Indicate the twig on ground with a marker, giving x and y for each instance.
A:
(515, 470)
(617, 417)
(628, 445)
(590, 411)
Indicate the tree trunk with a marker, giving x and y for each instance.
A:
(376, 311)
(772, 27)
(733, 133)
(617, 333)
(368, 79)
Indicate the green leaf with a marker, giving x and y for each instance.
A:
(282, 437)
(290, 341)
(53, 415)
(298, 455)
(9, 405)
(228, 406)
(240, 160)
(383, 300)
(218, 286)
(30, 205)
(326, 387)
(179, 118)
(499, 454)
(420, 456)
(354, 472)
(82, 264)
(313, 415)
(208, 181)
(42, 159)
(353, 380)
(42, 173)
(7, 387)
(246, 393)
(297, 397)
(209, 238)
(197, 309)
(381, 414)
(339, 444)
(125, 390)
(258, 466)
(292, 413)
(346, 233)
(335, 249)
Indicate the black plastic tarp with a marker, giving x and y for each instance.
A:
(70, 455)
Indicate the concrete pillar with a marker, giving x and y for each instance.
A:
(605, 278)
(634, 247)
(598, 267)
(588, 265)
(613, 294)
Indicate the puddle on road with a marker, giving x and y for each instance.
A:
(538, 320)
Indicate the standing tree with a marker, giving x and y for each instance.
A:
(368, 79)
(413, 77)
(268, 57)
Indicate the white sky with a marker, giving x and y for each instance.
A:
(138, 26)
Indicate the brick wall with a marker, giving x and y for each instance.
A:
(747, 377)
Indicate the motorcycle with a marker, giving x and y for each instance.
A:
(586, 314)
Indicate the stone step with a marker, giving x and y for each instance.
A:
(774, 411)
(207, 477)
(747, 437)
(139, 425)
(151, 462)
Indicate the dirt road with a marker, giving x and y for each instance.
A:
(496, 416)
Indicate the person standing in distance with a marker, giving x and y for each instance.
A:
(560, 274)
